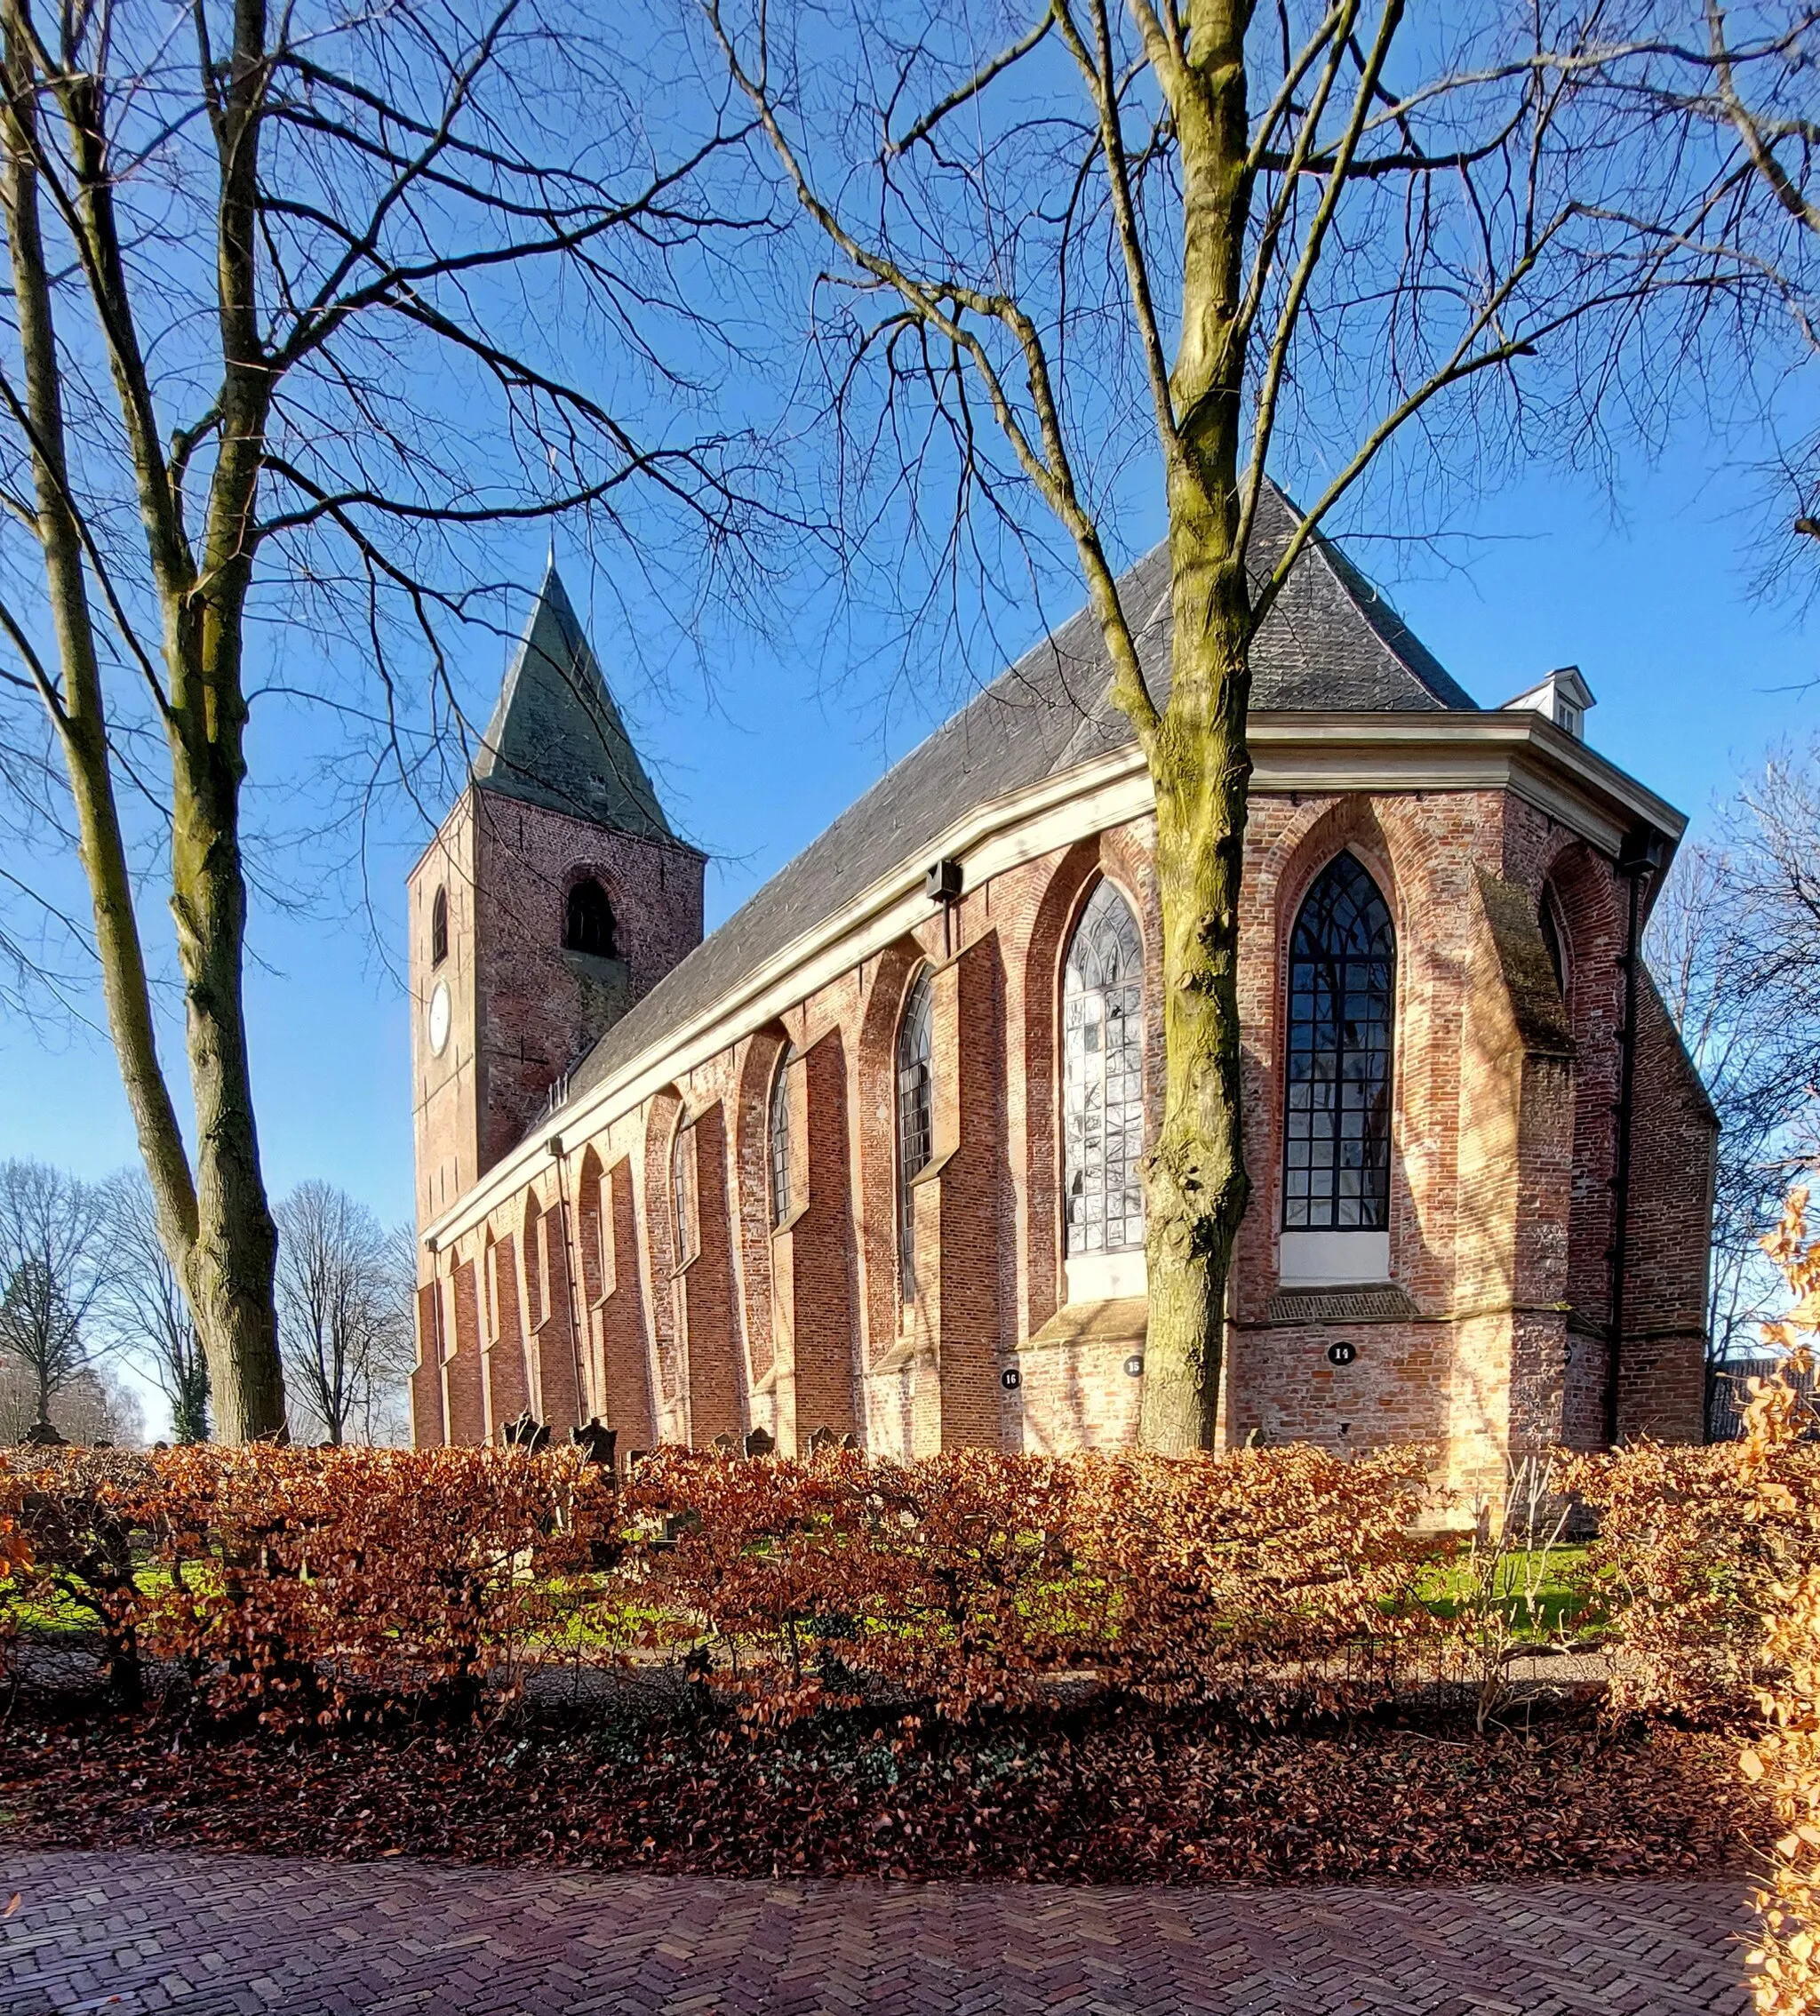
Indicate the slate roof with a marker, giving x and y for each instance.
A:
(556, 737)
(1332, 641)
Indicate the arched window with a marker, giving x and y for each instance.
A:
(589, 925)
(533, 1262)
(778, 1125)
(589, 1201)
(915, 1115)
(1553, 939)
(439, 927)
(1342, 997)
(1103, 1078)
(682, 1192)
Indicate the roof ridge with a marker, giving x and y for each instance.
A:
(1321, 648)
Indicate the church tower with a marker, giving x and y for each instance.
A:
(555, 895)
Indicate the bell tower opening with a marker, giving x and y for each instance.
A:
(590, 926)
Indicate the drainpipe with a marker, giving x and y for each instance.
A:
(1640, 854)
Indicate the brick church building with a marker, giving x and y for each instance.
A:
(867, 1158)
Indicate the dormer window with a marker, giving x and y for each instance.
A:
(589, 925)
(1563, 698)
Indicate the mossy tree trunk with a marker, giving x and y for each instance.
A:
(213, 1214)
(1196, 1187)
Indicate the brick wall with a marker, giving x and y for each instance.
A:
(539, 1008)
(625, 1335)
(815, 1250)
(1488, 1337)
(1662, 1367)
(706, 1301)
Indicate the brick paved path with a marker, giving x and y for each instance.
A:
(213, 1935)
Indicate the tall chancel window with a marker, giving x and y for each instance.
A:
(1341, 999)
(682, 1192)
(1554, 940)
(777, 1124)
(589, 924)
(915, 1115)
(534, 1297)
(439, 927)
(1103, 1078)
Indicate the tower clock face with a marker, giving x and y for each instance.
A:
(438, 1017)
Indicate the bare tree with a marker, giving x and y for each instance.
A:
(1734, 945)
(304, 303)
(1074, 246)
(344, 1289)
(52, 1270)
(1748, 83)
(142, 1311)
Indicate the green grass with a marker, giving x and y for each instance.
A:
(1557, 1602)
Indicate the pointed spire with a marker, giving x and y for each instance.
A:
(556, 739)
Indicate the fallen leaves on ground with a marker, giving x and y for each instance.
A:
(1099, 1792)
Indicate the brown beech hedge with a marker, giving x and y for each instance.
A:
(311, 1582)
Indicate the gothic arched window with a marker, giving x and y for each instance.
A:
(533, 1261)
(779, 1144)
(589, 925)
(1103, 1078)
(915, 1113)
(1554, 940)
(1342, 998)
(682, 1192)
(439, 928)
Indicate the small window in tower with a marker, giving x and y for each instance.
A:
(589, 925)
(439, 928)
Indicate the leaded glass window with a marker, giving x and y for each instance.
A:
(1342, 998)
(778, 1124)
(915, 1115)
(1103, 1078)
(683, 1193)
(1552, 940)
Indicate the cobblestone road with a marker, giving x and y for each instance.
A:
(220, 1935)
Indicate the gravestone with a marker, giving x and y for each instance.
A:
(596, 1443)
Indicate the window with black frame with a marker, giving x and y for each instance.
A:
(682, 1224)
(1342, 1002)
(916, 1116)
(778, 1125)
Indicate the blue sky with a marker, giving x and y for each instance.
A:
(1648, 595)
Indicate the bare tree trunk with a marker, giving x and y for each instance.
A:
(231, 1262)
(1200, 763)
(77, 713)
(1196, 1184)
